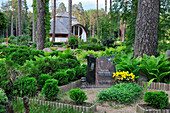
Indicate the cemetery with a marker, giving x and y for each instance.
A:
(81, 60)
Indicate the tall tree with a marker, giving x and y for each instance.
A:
(33, 25)
(19, 17)
(70, 18)
(146, 36)
(3, 21)
(53, 38)
(97, 20)
(41, 32)
(105, 7)
(61, 8)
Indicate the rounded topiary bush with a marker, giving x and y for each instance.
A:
(41, 80)
(51, 89)
(77, 95)
(124, 93)
(26, 86)
(3, 99)
(73, 40)
(71, 74)
(62, 77)
(157, 99)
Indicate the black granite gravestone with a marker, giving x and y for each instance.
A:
(91, 69)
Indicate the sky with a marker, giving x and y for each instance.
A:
(87, 4)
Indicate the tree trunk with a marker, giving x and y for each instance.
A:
(16, 28)
(146, 36)
(97, 21)
(19, 17)
(70, 18)
(12, 25)
(105, 8)
(110, 5)
(33, 29)
(41, 34)
(54, 12)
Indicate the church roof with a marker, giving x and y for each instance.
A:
(62, 23)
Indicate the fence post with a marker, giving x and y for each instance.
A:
(26, 104)
(9, 107)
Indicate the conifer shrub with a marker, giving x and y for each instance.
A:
(51, 89)
(41, 80)
(3, 99)
(77, 95)
(25, 86)
(62, 77)
(80, 71)
(157, 99)
(71, 74)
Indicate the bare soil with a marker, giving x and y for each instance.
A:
(106, 107)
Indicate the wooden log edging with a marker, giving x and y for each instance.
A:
(70, 86)
(155, 85)
(56, 105)
(140, 109)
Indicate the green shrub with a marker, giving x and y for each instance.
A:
(19, 57)
(4, 75)
(26, 86)
(94, 40)
(71, 63)
(77, 95)
(81, 71)
(73, 40)
(158, 67)
(157, 99)
(71, 74)
(34, 45)
(124, 93)
(3, 99)
(30, 69)
(41, 80)
(127, 63)
(62, 78)
(92, 47)
(51, 89)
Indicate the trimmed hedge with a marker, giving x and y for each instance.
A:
(92, 47)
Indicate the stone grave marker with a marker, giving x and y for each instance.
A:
(104, 72)
(91, 69)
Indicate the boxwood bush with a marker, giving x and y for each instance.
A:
(124, 93)
(51, 89)
(157, 99)
(77, 95)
